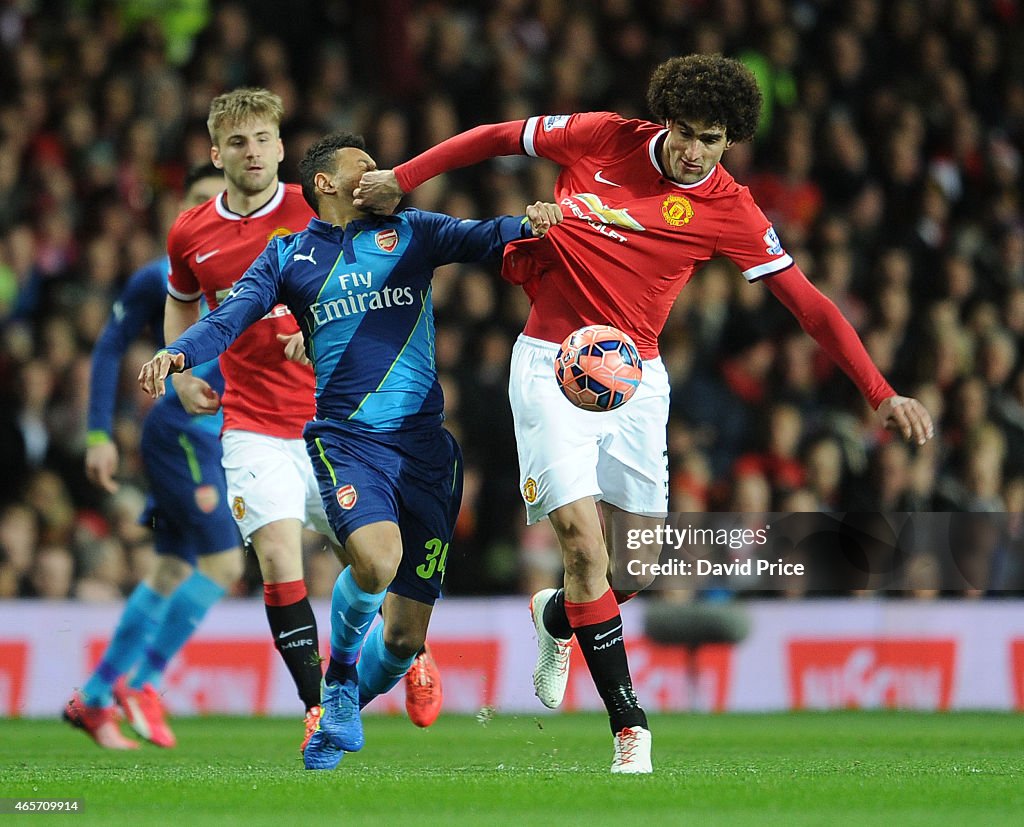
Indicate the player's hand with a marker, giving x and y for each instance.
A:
(909, 417)
(543, 216)
(196, 395)
(294, 347)
(100, 465)
(155, 371)
(378, 192)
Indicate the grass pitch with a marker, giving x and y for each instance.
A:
(855, 768)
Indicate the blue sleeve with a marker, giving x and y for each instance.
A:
(449, 240)
(251, 298)
(141, 303)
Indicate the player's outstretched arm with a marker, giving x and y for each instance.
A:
(156, 370)
(823, 321)
(908, 416)
(381, 190)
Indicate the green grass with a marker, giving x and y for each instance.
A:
(792, 769)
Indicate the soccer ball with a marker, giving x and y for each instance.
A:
(598, 368)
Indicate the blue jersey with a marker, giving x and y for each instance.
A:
(362, 298)
(187, 505)
(141, 304)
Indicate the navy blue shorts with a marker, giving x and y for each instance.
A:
(412, 478)
(188, 501)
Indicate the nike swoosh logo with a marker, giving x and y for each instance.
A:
(293, 632)
(597, 177)
(605, 634)
(201, 257)
(357, 629)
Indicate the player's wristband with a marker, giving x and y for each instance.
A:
(93, 438)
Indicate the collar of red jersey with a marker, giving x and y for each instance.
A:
(275, 201)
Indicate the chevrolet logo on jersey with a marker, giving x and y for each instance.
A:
(589, 208)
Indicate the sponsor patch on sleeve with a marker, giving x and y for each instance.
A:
(771, 238)
(555, 122)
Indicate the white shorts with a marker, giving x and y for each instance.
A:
(271, 479)
(566, 454)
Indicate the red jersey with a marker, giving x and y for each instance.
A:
(631, 236)
(210, 248)
(639, 235)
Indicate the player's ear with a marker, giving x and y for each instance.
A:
(322, 181)
(215, 157)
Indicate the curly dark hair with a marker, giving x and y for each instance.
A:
(710, 89)
(320, 158)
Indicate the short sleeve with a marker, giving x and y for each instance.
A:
(751, 242)
(181, 282)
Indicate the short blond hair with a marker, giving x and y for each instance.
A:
(243, 106)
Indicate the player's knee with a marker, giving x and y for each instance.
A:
(375, 573)
(223, 568)
(170, 572)
(404, 641)
(280, 562)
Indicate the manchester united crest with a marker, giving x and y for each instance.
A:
(238, 508)
(530, 490)
(677, 210)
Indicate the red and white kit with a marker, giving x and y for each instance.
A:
(629, 243)
(267, 399)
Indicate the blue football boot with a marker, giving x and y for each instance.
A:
(340, 730)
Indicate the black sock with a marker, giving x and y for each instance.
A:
(338, 672)
(603, 649)
(294, 631)
(555, 619)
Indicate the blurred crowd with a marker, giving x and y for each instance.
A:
(889, 158)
